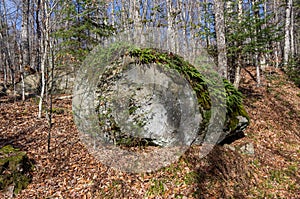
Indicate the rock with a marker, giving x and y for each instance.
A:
(159, 99)
(247, 149)
(15, 168)
(31, 83)
(232, 148)
(150, 97)
(153, 104)
(236, 132)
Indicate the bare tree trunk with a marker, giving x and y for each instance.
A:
(38, 36)
(206, 23)
(171, 32)
(221, 41)
(237, 76)
(25, 42)
(292, 33)
(257, 56)
(258, 75)
(44, 45)
(287, 42)
(7, 51)
(276, 44)
(2, 56)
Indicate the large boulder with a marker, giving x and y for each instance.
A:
(156, 98)
(15, 168)
(31, 84)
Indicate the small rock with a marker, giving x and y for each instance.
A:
(232, 148)
(247, 149)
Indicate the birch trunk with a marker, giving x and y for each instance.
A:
(25, 41)
(44, 45)
(292, 33)
(276, 44)
(221, 41)
(171, 31)
(287, 42)
(257, 56)
(38, 36)
(237, 76)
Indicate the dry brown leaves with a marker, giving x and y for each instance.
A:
(69, 171)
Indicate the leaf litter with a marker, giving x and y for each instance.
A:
(69, 171)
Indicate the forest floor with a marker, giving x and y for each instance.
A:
(69, 171)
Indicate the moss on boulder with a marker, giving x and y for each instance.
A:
(236, 116)
(15, 168)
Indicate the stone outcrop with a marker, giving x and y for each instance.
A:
(31, 84)
(157, 98)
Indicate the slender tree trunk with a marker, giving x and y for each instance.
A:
(276, 44)
(3, 55)
(171, 32)
(44, 45)
(292, 33)
(258, 56)
(38, 35)
(221, 41)
(207, 23)
(25, 41)
(287, 42)
(237, 76)
(7, 50)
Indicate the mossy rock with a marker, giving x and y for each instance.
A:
(15, 169)
(236, 116)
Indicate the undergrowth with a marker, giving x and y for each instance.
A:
(293, 71)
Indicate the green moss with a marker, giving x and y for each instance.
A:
(234, 105)
(233, 120)
(58, 111)
(172, 61)
(199, 84)
(197, 81)
(14, 168)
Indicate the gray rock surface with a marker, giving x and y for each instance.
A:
(149, 102)
(31, 83)
(138, 99)
(247, 149)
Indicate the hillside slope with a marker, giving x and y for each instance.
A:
(69, 171)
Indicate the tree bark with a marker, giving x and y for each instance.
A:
(292, 33)
(25, 42)
(287, 42)
(276, 45)
(38, 36)
(221, 41)
(171, 31)
(237, 76)
(7, 52)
